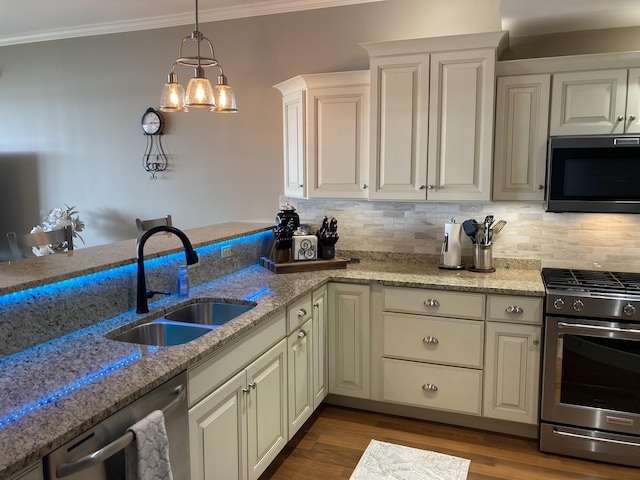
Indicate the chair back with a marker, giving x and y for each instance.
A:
(144, 225)
(25, 242)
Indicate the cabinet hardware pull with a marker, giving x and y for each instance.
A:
(301, 313)
(302, 334)
(540, 187)
(431, 302)
(316, 305)
(429, 387)
(620, 118)
(249, 387)
(514, 309)
(632, 118)
(432, 340)
(300, 185)
(536, 342)
(422, 187)
(431, 187)
(365, 186)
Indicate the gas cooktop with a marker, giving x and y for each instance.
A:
(592, 294)
(591, 281)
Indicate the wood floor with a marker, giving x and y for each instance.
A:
(330, 444)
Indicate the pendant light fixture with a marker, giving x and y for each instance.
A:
(200, 93)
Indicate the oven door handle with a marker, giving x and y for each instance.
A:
(109, 450)
(600, 328)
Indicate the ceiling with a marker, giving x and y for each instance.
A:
(50, 20)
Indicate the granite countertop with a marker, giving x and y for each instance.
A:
(53, 392)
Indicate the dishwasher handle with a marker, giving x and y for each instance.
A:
(120, 443)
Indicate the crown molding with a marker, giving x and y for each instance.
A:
(164, 21)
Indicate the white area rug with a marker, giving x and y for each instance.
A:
(388, 461)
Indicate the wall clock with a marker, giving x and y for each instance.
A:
(152, 122)
(152, 126)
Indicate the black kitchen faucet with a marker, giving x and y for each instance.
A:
(142, 305)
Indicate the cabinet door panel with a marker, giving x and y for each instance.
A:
(633, 101)
(522, 122)
(512, 371)
(266, 408)
(461, 125)
(320, 357)
(588, 102)
(294, 146)
(338, 150)
(399, 122)
(217, 427)
(349, 349)
(299, 359)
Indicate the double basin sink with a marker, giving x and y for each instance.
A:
(184, 324)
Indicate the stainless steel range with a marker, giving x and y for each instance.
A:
(591, 369)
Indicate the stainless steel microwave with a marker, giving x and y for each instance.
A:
(599, 174)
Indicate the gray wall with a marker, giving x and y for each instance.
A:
(70, 113)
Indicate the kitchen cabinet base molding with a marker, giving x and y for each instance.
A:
(450, 418)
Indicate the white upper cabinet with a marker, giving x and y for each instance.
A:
(522, 121)
(399, 122)
(432, 103)
(326, 129)
(595, 102)
(461, 125)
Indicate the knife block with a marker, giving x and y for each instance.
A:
(326, 252)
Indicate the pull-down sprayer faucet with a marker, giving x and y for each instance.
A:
(142, 305)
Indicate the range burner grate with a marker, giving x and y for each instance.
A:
(591, 280)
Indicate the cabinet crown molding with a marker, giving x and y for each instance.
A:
(568, 63)
(323, 80)
(446, 43)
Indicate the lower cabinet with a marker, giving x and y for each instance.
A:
(349, 348)
(320, 346)
(512, 372)
(238, 429)
(300, 369)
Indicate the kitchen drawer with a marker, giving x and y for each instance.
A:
(512, 309)
(431, 339)
(298, 313)
(452, 388)
(440, 303)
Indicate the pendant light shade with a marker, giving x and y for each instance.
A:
(172, 97)
(199, 93)
(224, 97)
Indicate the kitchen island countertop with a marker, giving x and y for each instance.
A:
(51, 393)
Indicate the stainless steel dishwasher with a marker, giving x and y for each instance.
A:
(99, 452)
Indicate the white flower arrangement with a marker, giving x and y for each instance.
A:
(55, 219)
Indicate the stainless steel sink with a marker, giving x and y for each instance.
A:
(159, 333)
(209, 313)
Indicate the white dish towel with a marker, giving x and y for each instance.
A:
(147, 457)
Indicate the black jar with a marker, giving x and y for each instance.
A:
(286, 213)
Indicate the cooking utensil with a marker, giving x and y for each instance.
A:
(470, 227)
(488, 220)
(499, 225)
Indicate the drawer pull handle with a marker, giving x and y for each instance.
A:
(514, 309)
(432, 302)
(301, 313)
(249, 387)
(432, 340)
(302, 334)
(429, 387)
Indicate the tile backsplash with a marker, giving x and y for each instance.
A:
(571, 240)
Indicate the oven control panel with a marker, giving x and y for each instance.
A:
(606, 308)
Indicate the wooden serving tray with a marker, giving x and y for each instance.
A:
(303, 265)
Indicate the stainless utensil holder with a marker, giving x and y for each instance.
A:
(483, 258)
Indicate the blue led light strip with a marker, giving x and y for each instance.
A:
(7, 418)
(125, 271)
(256, 295)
